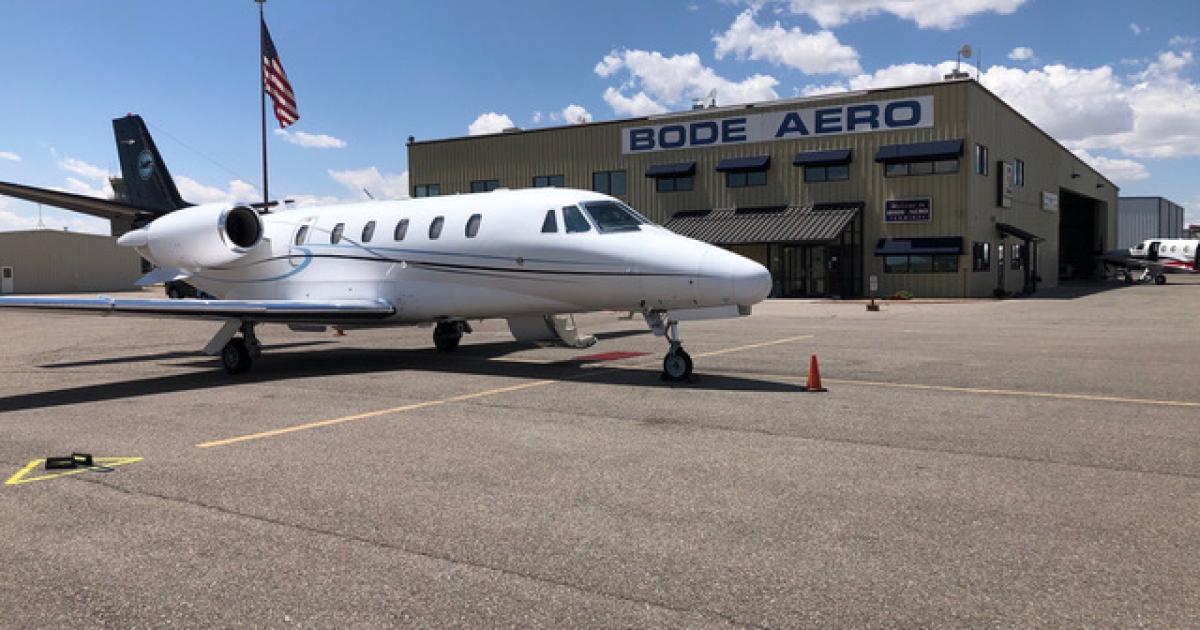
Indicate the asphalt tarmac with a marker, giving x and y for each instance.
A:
(1018, 463)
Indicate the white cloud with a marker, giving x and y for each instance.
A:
(79, 167)
(490, 122)
(811, 53)
(381, 185)
(942, 14)
(1120, 170)
(52, 219)
(9, 155)
(659, 82)
(311, 140)
(195, 192)
(303, 200)
(1021, 53)
(637, 105)
(1137, 30)
(576, 115)
(1182, 41)
(537, 117)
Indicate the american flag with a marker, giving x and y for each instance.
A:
(275, 82)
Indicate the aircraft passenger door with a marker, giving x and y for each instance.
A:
(1152, 252)
(303, 234)
(6, 279)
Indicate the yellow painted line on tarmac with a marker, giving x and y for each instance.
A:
(463, 397)
(101, 464)
(999, 392)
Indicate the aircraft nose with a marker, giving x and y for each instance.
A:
(751, 282)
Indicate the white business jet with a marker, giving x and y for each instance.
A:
(532, 257)
(1156, 257)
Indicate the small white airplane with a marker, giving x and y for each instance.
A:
(533, 257)
(1156, 257)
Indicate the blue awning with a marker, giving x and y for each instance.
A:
(754, 163)
(679, 169)
(831, 157)
(919, 151)
(919, 246)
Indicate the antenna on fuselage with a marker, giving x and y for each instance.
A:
(368, 193)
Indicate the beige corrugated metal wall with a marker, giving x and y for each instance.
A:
(48, 261)
(963, 203)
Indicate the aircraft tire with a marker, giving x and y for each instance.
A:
(677, 366)
(446, 337)
(235, 357)
(1160, 279)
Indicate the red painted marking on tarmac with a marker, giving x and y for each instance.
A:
(611, 356)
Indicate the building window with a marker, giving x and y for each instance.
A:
(1016, 256)
(1019, 173)
(550, 224)
(921, 263)
(336, 235)
(435, 228)
(401, 230)
(981, 159)
(574, 220)
(473, 225)
(742, 179)
(831, 173)
(484, 185)
(545, 181)
(609, 182)
(931, 167)
(981, 256)
(673, 184)
(368, 232)
(427, 190)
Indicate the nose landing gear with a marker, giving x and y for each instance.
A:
(677, 364)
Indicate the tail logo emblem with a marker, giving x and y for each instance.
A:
(145, 164)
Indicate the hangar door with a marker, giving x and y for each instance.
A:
(1080, 235)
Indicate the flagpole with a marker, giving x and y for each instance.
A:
(262, 94)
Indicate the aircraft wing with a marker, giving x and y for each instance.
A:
(102, 208)
(280, 311)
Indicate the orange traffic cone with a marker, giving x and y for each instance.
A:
(814, 377)
(338, 332)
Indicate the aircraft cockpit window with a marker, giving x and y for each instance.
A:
(401, 230)
(301, 234)
(574, 220)
(610, 216)
(473, 225)
(368, 231)
(435, 228)
(336, 235)
(550, 224)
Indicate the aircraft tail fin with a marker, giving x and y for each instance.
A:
(146, 181)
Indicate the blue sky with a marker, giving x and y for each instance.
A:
(1111, 80)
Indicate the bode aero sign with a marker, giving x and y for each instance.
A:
(907, 113)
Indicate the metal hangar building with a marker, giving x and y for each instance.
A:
(940, 190)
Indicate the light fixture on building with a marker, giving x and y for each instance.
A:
(1074, 175)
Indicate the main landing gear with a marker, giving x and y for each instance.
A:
(447, 335)
(677, 364)
(239, 353)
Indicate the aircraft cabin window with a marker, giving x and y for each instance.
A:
(301, 234)
(473, 225)
(574, 220)
(435, 228)
(368, 231)
(613, 217)
(401, 230)
(336, 235)
(550, 224)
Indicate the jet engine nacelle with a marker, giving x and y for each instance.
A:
(211, 235)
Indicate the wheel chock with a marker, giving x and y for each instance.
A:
(814, 377)
(61, 463)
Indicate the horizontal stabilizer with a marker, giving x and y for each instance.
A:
(102, 208)
(281, 311)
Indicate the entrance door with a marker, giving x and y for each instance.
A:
(6, 279)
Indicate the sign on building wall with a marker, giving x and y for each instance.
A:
(1049, 202)
(906, 113)
(1008, 181)
(906, 210)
